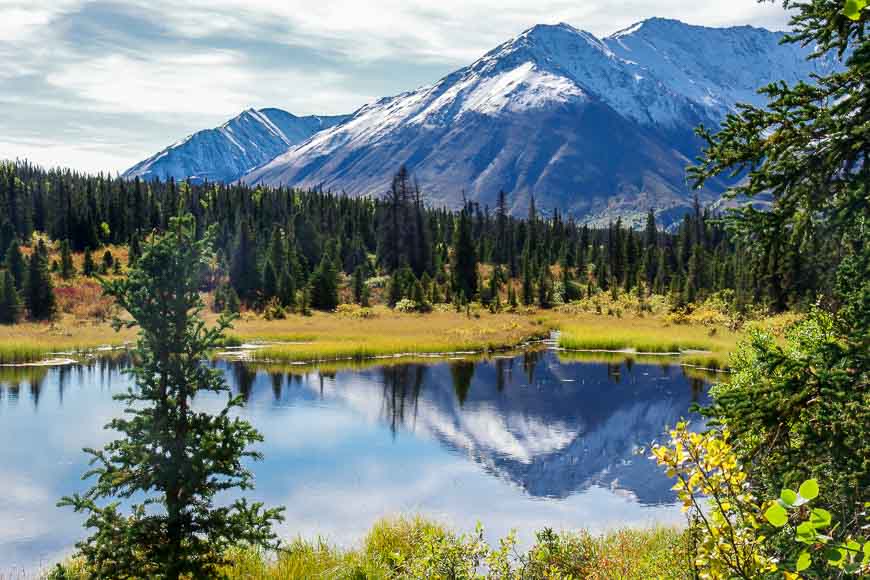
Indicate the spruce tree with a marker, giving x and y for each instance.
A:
(465, 257)
(528, 289)
(358, 284)
(244, 274)
(324, 285)
(15, 264)
(39, 290)
(10, 300)
(171, 460)
(67, 268)
(88, 267)
(134, 250)
(287, 289)
(107, 261)
(270, 281)
(395, 289)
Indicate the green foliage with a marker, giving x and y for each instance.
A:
(324, 286)
(738, 536)
(39, 290)
(15, 264)
(801, 410)
(171, 460)
(67, 268)
(464, 256)
(852, 9)
(88, 266)
(10, 300)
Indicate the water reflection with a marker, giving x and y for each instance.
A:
(524, 441)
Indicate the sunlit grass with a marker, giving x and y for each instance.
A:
(657, 552)
(29, 342)
(333, 337)
(696, 344)
(393, 544)
(326, 337)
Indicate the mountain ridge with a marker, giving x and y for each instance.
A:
(597, 127)
(227, 152)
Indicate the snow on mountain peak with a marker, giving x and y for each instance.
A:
(227, 152)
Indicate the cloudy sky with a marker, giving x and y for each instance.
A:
(98, 85)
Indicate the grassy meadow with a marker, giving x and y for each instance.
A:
(623, 323)
(403, 547)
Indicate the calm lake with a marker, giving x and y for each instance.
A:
(521, 441)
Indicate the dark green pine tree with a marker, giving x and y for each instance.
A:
(134, 250)
(107, 262)
(324, 285)
(545, 289)
(88, 266)
(528, 289)
(270, 281)
(244, 275)
(465, 257)
(67, 268)
(170, 460)
(358, 284)
(512, 296)
(39, 290)
(10, 300)
(395, 289)
(15, 264)
(495, 290)
(287, 289)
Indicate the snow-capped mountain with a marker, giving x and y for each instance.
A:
(594, 126)
(228, 152)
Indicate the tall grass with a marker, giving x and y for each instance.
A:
(696, 344)
(330, 337)
(402, 547)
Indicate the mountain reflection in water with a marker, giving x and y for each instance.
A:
(522, 441)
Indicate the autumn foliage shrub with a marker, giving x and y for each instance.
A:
(84, 300)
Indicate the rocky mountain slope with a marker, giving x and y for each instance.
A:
(596, 127)
(233, 149)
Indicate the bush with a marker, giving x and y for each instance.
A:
(355, 311)
(274, 310)
(405, 305)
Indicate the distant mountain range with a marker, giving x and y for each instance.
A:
(228, 152)
(595, 127)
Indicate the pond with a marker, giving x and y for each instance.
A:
(525, 441)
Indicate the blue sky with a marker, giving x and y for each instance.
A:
(99, 85)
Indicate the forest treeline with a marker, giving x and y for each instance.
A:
(287, 247)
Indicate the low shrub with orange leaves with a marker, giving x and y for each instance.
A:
(84, 299)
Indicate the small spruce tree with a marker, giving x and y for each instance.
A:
(170, 459)
(39, 290)
(15, 264)
(67, 268)
(88, 267)
(10, 300)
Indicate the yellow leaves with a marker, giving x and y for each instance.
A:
(707, 470)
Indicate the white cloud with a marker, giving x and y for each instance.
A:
(80, 156)
(456, 30)
(22, 20)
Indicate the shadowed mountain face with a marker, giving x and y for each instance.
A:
(552, 429)
(597, 127)
(233, 149)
